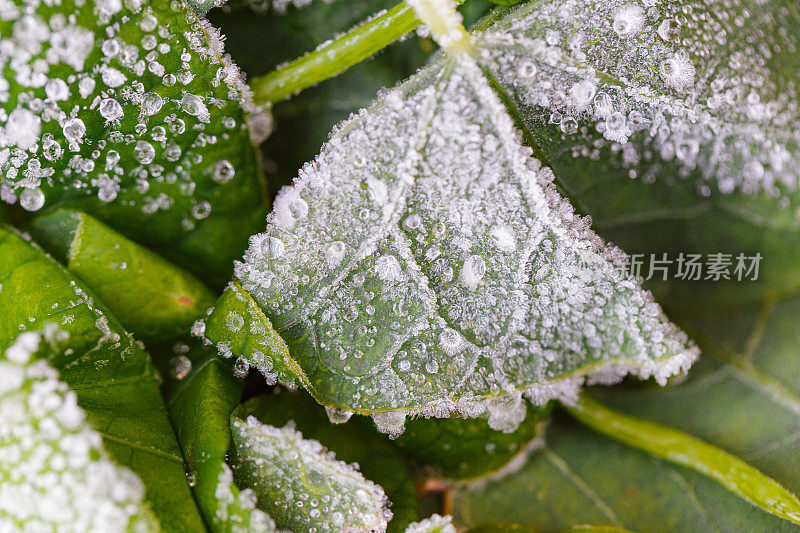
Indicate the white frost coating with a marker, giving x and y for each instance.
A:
(232, 507)
(693, 88)
(467, 280)
(56, 474)
(167, 101)
(302, 484)
(433, 524)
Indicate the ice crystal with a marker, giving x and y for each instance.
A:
(56, 473)
(301, 484)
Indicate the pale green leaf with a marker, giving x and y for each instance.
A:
(301, 484)
(152, 298)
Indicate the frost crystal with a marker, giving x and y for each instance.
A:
(459, 273)
(301, 484)
(433, 524)
(56, 474)
(232, 504)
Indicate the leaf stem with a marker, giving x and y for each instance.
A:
(684, 450)
(336, 56)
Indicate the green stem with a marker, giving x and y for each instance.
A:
(336, 56)
(682, 449)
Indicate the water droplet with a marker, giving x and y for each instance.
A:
(241, 367)
(272, 248)
(335, 252)
(31, 199)
(144, 152)
(338, 416)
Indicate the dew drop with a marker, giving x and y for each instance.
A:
(31, 199)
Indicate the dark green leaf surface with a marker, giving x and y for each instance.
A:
(200, 404)
(152, 298)
(144, 129)
(107, 368)
(465, 448)
(582, 477)
(744, 395)
(353, 442)
(684, 450)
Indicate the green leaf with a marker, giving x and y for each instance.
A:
(201, 396)
(301, 484)
(675, 128)
(467, 448)
(750, 369)
(134, 117)
(53, 461)
(397, 300)
(108, 370)
(353, 442)
(152, 298)
(677, 447)
(582, 477)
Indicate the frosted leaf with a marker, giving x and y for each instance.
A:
(236, 511)
(701, 89)
(465, 278)
(302, 485)
(130, 111)
(56, 474)
(433, 524)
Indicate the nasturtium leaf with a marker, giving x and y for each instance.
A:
(582, 477)
(108, 370)
(353, 442)
(424, 263)
(150, 296)
(128, 111)
(202, 392)
(433, 524)
(300, 484)
(674, 125)
(55, 474)
(468, 448)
